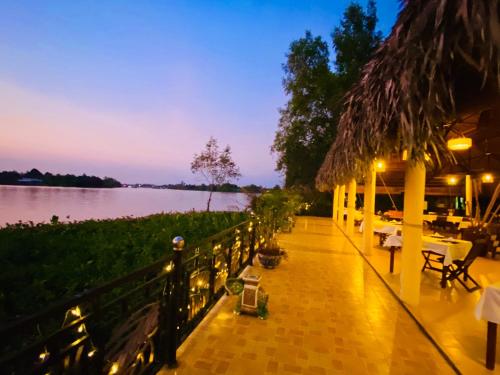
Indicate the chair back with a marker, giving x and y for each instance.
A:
(474, 252)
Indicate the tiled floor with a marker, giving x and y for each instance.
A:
(329, 314)
(448, 314)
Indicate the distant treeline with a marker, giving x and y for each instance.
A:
(35, 177)
(223, 188)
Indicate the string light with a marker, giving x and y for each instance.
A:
(76, 312)
(114, 368)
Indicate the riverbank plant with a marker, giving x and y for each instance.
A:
(44, 263)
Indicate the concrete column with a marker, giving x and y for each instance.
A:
(335, 202)
(468, 196)
(341, 205)
(369, 210)
(413, 216)
(351, 207)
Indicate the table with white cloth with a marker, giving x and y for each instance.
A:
(358, 215)
(383, 228)
(488, 308)
(449, 218)
(451, 248)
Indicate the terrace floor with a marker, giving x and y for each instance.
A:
(447, 314)
(329, 314)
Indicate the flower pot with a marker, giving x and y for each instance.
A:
(269, 261)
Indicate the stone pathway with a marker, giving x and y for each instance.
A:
(329, 314)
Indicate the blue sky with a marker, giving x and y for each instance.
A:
(132, 89)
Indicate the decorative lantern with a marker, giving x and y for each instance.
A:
(249, 297)
(379, 166)
(487, 178)
(459, 144)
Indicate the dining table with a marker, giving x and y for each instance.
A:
(383, 228)
(451, 248)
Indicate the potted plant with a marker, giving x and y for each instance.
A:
(270, 253)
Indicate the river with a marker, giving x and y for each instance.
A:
(39, 203)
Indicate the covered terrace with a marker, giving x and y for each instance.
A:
(425, 116)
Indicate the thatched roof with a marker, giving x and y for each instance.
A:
(441, 57)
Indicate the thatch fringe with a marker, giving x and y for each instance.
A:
(439, 55)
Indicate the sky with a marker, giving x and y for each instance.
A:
(133, 89)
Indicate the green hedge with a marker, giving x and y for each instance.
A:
(43, 263)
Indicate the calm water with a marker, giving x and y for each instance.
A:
(38, 204)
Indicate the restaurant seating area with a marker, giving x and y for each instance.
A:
(446, 312)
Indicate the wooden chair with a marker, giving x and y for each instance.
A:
(461, 267)
(432, 258)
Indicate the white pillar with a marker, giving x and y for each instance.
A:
(369, 210)
(335, 202)
(341, 207)
(468, 196)
(351, 207)
(413, 216)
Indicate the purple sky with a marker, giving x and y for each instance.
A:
(133, 89)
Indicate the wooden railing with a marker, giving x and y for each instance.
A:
(135, 323)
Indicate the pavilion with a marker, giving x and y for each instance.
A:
(434, 82)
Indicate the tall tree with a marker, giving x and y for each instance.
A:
(354, 41)
(308, 122)
(217, 167)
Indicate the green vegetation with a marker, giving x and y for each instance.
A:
(275, 209)
(35, 177)
(308, 122)
(44, 263)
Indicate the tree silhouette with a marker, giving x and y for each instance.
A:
(217, 167)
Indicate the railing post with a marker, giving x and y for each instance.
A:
(175, 297)
(251, 253)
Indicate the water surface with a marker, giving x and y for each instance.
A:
(38, 204)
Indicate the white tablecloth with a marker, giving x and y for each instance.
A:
(488, 307)
(451, 219)
(380, 226)
(451, 251)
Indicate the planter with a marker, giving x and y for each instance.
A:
(269, 261)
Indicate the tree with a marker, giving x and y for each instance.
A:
(217, 167)
(308, 123)
(355, 41)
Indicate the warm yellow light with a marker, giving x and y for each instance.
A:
(487, 178)
(405, 156)
(81, 328)
(43, 356)
(114, 368)
(91, 353)
(459, 144)
(76, 311)
(452, 180)
(379, 165)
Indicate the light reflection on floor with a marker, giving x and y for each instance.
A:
(448, 314)
(329, 314)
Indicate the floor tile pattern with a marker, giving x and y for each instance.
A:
(329, 314)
